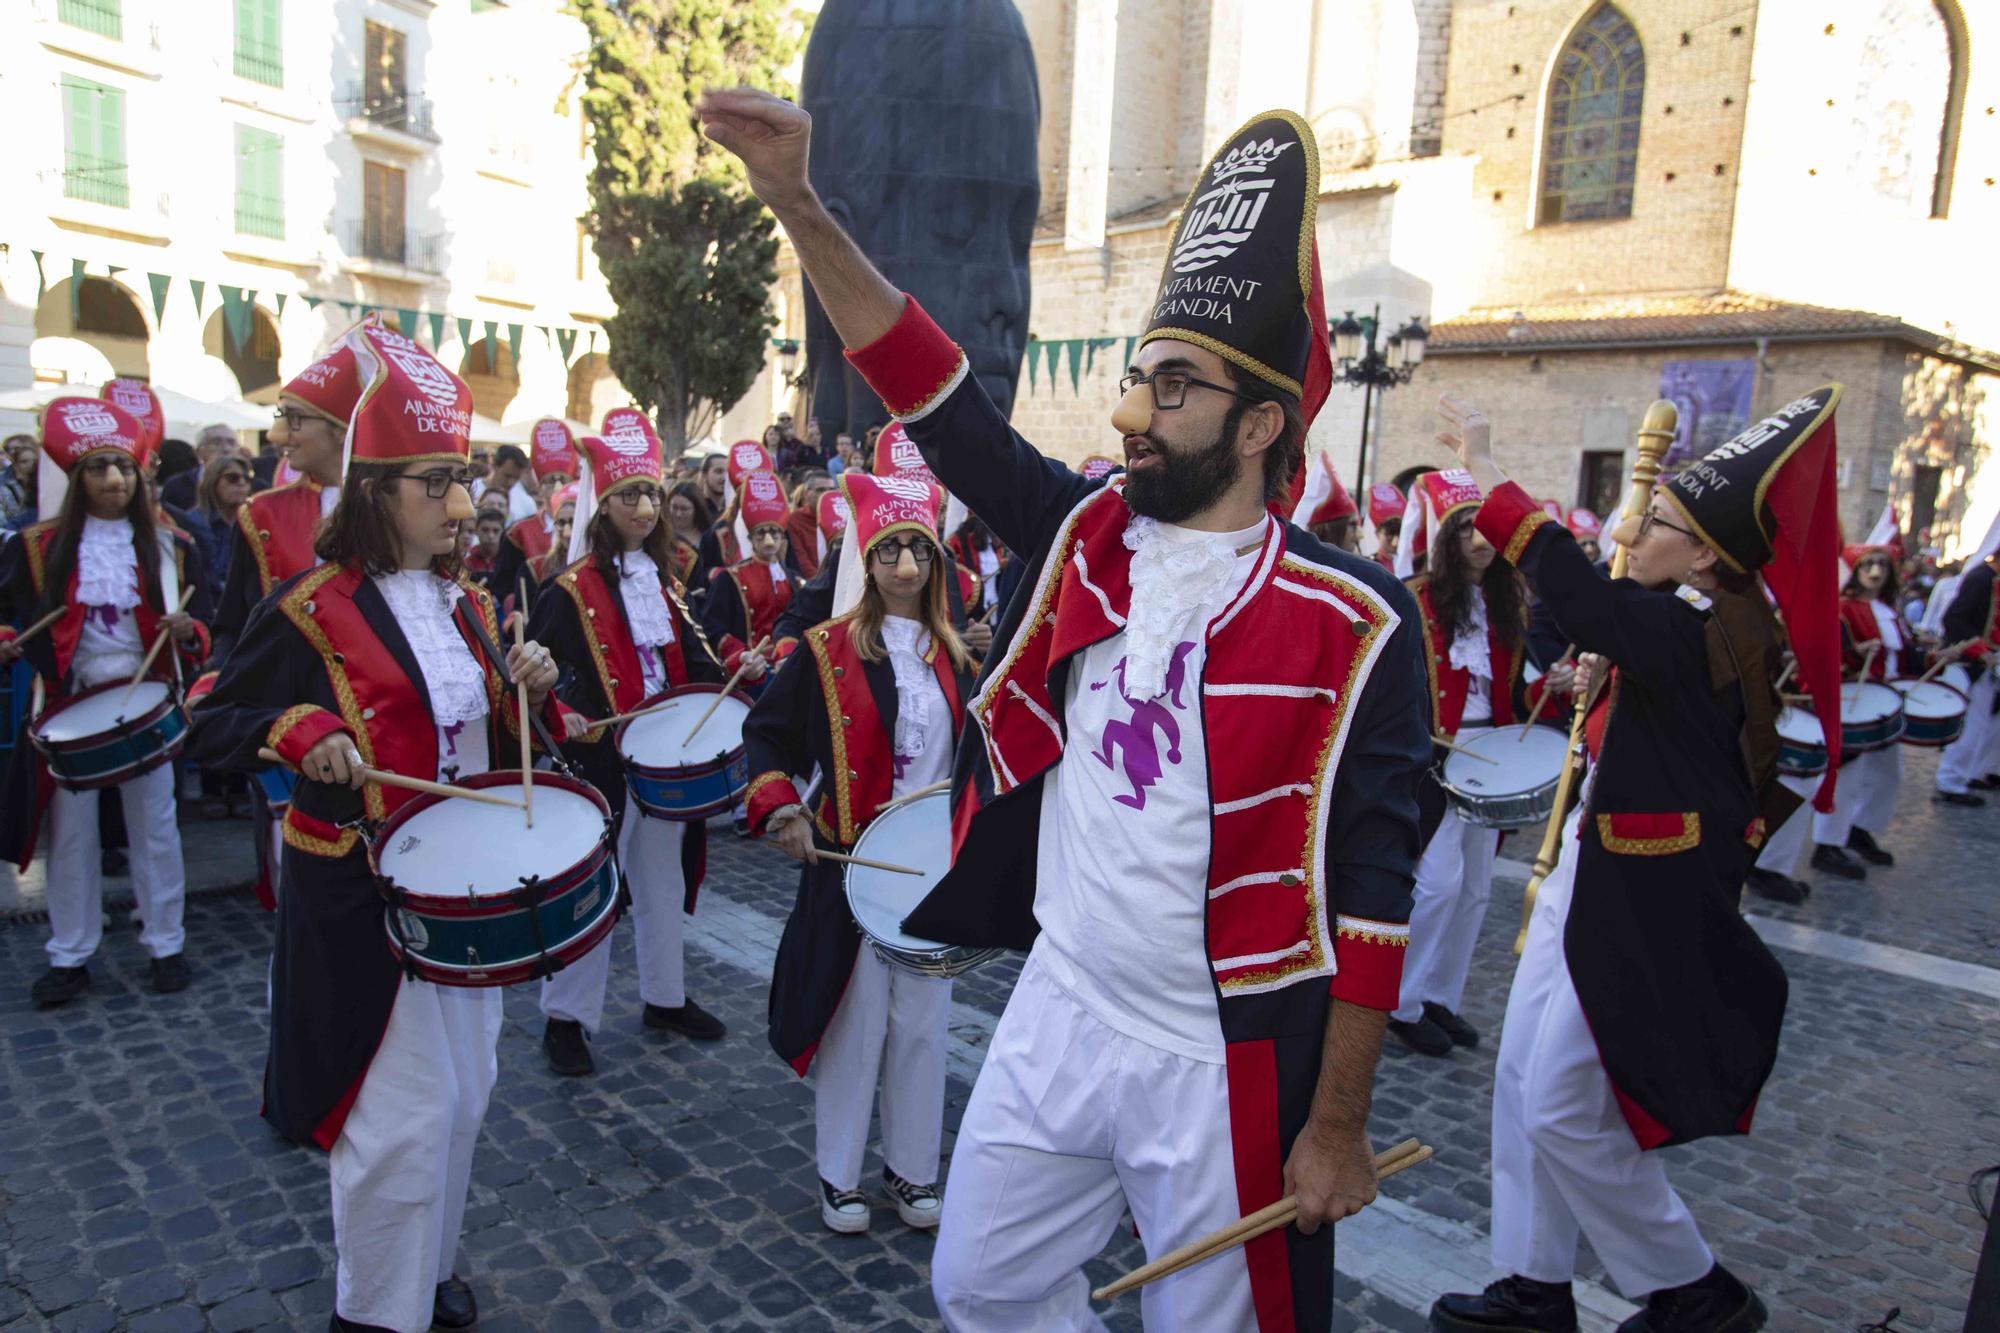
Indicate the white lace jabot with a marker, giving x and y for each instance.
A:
(645, 608)
(421, 603)
(1469, 651)
(1178, 574)
(906, 641)
(107, 566)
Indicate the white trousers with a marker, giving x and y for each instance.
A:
(1564, 1160)
(1070, 1124)
(1976, 752)
(649, 852)
(1454, 882)
(75, 870)
(403, 1162)
(1786, 843)
(892, 1024)
(1865, 796)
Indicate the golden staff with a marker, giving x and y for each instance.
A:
(1656, 436)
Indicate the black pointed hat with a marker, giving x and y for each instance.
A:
(1242, 275)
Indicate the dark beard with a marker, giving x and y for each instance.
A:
(1187, 482)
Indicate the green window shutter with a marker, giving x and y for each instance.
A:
(94, 149)
(104, 17)
(260, 193)
(260, 52)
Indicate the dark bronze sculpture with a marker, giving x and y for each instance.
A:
(925, 114)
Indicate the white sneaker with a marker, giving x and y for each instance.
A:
(917, 1205)
(844, 1211)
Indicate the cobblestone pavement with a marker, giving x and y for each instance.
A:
(674, 1190)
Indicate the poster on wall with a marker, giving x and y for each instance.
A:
(1714, 402)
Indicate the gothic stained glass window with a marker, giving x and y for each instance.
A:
(1590, 151)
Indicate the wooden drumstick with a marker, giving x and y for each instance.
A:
(1535, 713)
(1944, 658)
(616, 718)
(521, 693)
(40, 625)
(716, 702)
(931, 790)
(1269, 1218)
(382, 777)
(1785, 675)
(1460, 749)
(159, 642)
(847, 860)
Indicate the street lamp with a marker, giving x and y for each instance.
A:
(788, 358)
(1362, 363)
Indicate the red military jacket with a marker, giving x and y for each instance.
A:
(530, 537)
(279, 526)
(68, 631)
(759, 601)
(1450, 684)
(614, 659)
(1859, 628)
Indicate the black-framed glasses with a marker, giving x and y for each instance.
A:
(103, 463)
(291, 416)
(890, 551)
(235, 474)
(1170, 387)
(631, 495)
(1649, 520)
(437, 483)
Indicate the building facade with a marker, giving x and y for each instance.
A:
(205, 194)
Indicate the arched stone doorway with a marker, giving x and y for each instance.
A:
(107, 317)
(253, 360)
(489, 371)
(593, 389)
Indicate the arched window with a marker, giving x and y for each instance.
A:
(1590, 151)
(1909, 83)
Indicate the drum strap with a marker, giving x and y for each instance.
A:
(529, 899)
(499, 661)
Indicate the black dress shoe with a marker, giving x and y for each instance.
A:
(335, 1324)
(1990, 782)
(1964, 798)
(567, 1048)
(1461, 1032)
(170, 974)
(59, 985)
(114, 861)
(454, 1306)
(1512, 1303)
(1862, 843)
(1718, 1303)
(1831, 860)
(1778, 888)
(690, 1020)
(1423, 1036)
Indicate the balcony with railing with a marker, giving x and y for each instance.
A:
(97, 180)
(376, 243)
(259, 215)
(260, 61)
(106, 18)
(402, 113)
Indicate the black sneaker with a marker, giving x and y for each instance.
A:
(1423, 1036)
(1862, 843)
(453, 1306)
(1461, 1032)
(1512, 1303)
(1990, 782)
(845, 1211)
(918, 1205)
(690, 1020)
(1778, 888)
(1718, 1303)
(335, 1324)
(1831, 860)
(1964, 798)
(741, 824)
(59, 985)
(567, 1048)
(170, 974)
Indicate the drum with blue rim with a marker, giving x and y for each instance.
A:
(1801, 744)
(110, 734)
(1871, 717)
(678, 772)
(1933, 712)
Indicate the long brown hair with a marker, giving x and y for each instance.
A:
(69, 535)
(361, 530)
(1452, 581)
(934, 611)
(606, 545)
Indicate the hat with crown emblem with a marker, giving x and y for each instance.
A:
(552, 449)
(143, 405)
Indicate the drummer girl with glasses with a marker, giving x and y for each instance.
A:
(1475, 621)
(616, 617)
(871, 705)
(99, 562)
(745, 599)
(380, 657)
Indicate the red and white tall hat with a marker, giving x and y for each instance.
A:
(552, 449)
(1554, 509)
(329, 387)
(1096, 467)
(72, 430)
(831, 517)
(763, 501)
(1434, 497)
(747, 456)
(879, 507)
(411, 409)
(1384, 503)
(897, 455)
(564, 495)
(1583, 525)
(625, 454)
(143, 405)
(1325, 499)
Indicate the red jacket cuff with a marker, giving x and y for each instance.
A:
(768, 792)
(1508, 518)
(300, 728)
(913, 366)
(1368, 956)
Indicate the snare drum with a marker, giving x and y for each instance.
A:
(914, 833)
(1933, 712)
(677, 778)
(1801, 744)
(478, 899)
(1958, 676)
(1871, 717)
(1517, 788)
(99, 738)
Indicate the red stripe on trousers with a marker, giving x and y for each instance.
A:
(1260, 1176)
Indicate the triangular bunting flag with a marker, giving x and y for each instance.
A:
(160, 283)
(41, 279)
(406, 322)
(113, 270)
(1075, 364)
(1055, 356)
(312, 302)
(200, 289)
(593, 342)
(278, 298)
(437, 329)
(514, 345)
(236, 316)
(566, 339)
(1034, 355)
(492, 343)
(75, 291)
(1129, 343)
(464, 336)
